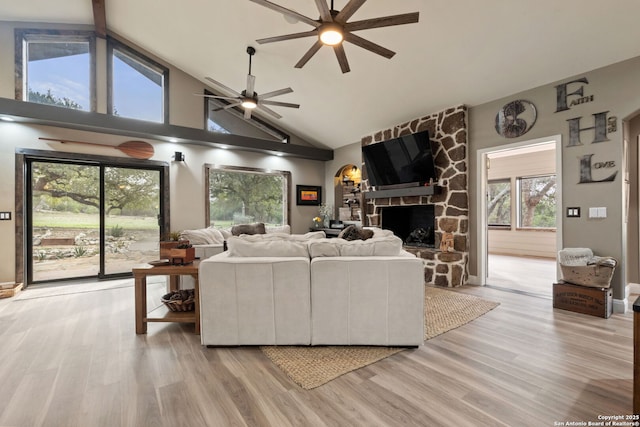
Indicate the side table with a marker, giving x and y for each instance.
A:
(162, 313)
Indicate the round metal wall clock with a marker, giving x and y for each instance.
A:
(515, 118)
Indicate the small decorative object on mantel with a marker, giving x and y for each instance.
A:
(446, 243)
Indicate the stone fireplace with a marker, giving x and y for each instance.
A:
(448, 199)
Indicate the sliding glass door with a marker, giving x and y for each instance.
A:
(90, 220)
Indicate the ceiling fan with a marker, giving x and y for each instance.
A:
(332, 29)
(249, 99)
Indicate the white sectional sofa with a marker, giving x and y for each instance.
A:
(284, 289)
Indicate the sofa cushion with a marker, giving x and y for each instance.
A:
(250, 246)
(255, 228)
(286, 229)
(383, 246)
(202, 236)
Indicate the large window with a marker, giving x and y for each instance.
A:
(56, 68)
(238, 195)
(499, 203)
(537, 202)
(138, 85)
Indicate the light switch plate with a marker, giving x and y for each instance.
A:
(5, 216)
(573, 212)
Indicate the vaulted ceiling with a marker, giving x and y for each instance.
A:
(461, 52)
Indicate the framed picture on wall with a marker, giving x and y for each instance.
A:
(310, 195)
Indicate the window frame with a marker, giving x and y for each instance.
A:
(208, 168)
(238, 112)
(519, 225)
(22, 36)
(112, 44)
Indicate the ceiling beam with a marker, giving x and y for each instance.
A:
(100, 18)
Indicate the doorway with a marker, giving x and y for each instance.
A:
(90, 218)
(520, 229)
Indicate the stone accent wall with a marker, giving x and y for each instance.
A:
(448, 134)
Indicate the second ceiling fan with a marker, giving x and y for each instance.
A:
(332, 29)
(249, 98)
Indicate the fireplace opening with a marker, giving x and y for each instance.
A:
(413, 224)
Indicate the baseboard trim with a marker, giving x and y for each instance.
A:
(475, 280)
(620, 305)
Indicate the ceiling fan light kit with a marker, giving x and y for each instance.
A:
(331, 34)
(249, 98)
(332, 29)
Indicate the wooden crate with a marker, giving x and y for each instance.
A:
(9, 289)
(583, 299)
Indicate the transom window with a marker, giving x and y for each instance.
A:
(237, 195)
(56, 68)
(231, 120)
(138, 85)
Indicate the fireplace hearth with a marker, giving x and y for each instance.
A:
(413, 224)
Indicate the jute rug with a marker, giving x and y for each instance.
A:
(310, 367)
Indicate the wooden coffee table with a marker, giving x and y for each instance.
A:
(162, 313)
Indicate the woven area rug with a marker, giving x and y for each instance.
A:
(310, 367)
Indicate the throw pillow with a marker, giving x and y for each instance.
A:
(257, 228)
(351, 232)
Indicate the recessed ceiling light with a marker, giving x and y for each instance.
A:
(6, 119)
(279, 154)
(173, 140)
(224, 147)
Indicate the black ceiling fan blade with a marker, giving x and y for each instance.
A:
(288, 12)
(342, 58)
(307, 56)
(325, 14)
(288, 37)
(385, 21)
(370, 46)
(348, 10)
(226, 107)
(269, 111)
(216, 96)
(280, 104)
(221, 86)
(275, 93)
(251, 84)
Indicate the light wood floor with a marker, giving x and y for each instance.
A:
(524, 274)
(74, 360)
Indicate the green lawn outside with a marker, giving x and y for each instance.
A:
(91, 221)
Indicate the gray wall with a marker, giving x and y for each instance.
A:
(616, 90)
(186, 179)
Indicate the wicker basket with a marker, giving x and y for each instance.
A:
(596, 275)
(182, 300)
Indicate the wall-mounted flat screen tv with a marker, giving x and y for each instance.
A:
(404, 160)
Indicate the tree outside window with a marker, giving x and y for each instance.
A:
(248, 195)
(537, 202)
(499, 203)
